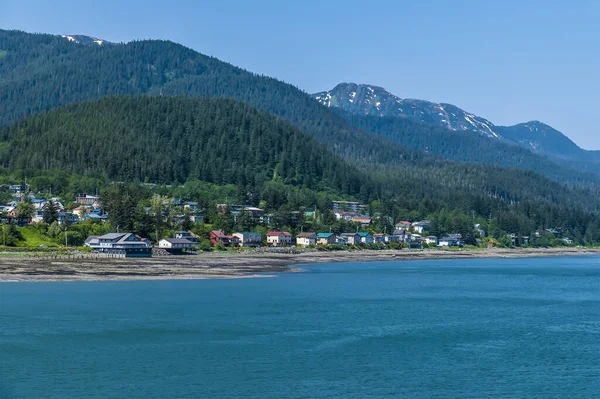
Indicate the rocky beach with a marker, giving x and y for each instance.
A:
(243, 264)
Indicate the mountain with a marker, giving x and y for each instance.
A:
(173, 139)
(534, 136)
(374, 100)
(41, 72)
(542, 138)
(467, 146)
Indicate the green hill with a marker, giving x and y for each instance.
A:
(40, 72)
(173, 139)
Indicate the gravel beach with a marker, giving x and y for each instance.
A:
(245, 264)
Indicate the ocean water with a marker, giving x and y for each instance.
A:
(501, 328)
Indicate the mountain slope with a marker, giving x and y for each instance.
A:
(374, 100)
(534, 136)
(166, 140)
(42, 72)
(173, 139)
(463, 146)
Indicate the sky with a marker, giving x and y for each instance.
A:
(509, 61)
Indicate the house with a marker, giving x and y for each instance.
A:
(365, 238)
(176, 245)
(81, 211)
(392, 238)
(380, 238)
(18, 188)
(38, 216)
(400, 233)
(326, 238)
(86, 199)
(306, 239)
(479, 230)
(66, 218)
(403, 224)
(279, 238)
(362, 220)
(126, 244)
(567, 241)
(95, 216)
(12, 217)
(38, 203)
(190, 206)
(422, 226)
(351, 238)
(217, 236)
(347, 216)
(451, 240)
(188, 235)
(355, 207)
(431, 240)
(249, 239)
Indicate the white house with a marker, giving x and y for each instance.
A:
(432, 240)
(421, 227)
(176, 244)
(306, 239)
(249, 239)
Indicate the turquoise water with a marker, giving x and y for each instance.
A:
(422, 329)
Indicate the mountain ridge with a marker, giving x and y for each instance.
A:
(534, 135)
(41, 72)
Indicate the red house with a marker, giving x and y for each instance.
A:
(217, 236)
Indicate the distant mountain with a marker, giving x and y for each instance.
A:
(86, 40)
(539, 137)
(374, 100)
(534, 136)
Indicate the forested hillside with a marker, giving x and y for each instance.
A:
(170, 140)
(41, 72)
(182, 141)
(465, 146)
(535, 137)
(173, 139)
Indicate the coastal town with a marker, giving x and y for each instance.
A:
(27, 209)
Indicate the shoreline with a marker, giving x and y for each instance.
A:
(217, 265)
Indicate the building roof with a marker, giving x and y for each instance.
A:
(112, 236)
(363, 233)
(178, 240)
(278, 233)
(325, 235)
(306, 235)
(92, 240)
(349, 234)
(422, 223)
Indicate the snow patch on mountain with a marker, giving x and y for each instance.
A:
(85, 40)
(375, 100)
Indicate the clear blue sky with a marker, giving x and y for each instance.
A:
(507, 60)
